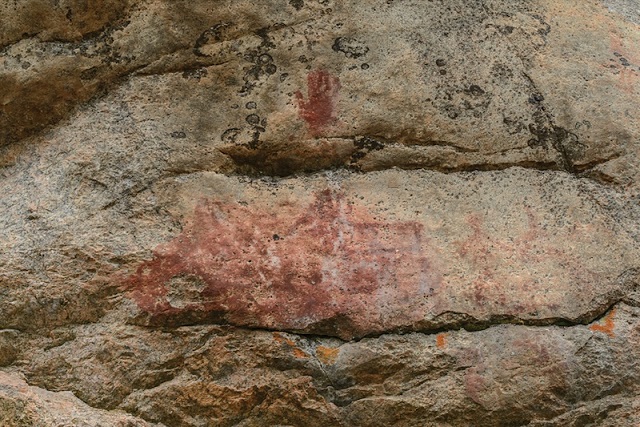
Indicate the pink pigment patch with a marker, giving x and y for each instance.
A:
(319, 110)
(329, 267)
(625, 63)
(492, 284)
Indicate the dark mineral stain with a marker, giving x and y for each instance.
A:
(548, 134)
(332, 268)
(351, 47)
(215, 32)
(270, 69)
(475, 90)
(536, 98)
(297, 4)
(89, 74)
(363, 146)
(253, 119)
(230, 135)
(195, 74)
(265, 58)
(319, 108)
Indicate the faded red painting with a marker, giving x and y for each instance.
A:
(624, 63)
(329, 268)
(502, 271)
(319, 109)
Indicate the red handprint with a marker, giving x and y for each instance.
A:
(319, 110)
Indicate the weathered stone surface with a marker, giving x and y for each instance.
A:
(22, 405)
(207, 375)
(336, 268)
(319, 213)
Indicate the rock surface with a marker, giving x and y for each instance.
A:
(307, 213)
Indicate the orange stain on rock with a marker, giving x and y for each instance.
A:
(327, 355)
(441, 340)
(278, 337)
(608, 325)
(300, 354)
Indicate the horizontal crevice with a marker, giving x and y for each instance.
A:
(465, 322)
(364, 154)
(627, 283)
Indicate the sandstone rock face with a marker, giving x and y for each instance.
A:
(319, 213)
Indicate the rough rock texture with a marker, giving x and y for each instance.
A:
(319, 213)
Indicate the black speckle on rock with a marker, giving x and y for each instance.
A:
(89, 74)
(443, 72)
(536, 98)
(276, 237)
(351, 47)
(475, 90)
(513, 125)
(265, 58)
(178, 134)
(506, 30)
(263, 33)
(364, 146)
(230, 135)
(255, 137)
(251, 105)
(441, 62)
(303, 59)
(215, 32)
(253, 119)
(270, 69)
(565, 142)
(535, 143)
(368, 143)
(297, 4)
(196, 74)
(546, 28)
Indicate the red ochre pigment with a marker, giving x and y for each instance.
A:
(322, 94)
(329, 267)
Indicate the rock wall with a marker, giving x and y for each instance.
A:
(319, 213)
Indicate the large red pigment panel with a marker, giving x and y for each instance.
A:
(330, 264)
